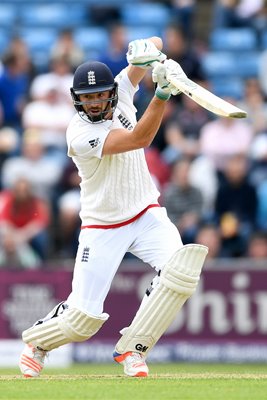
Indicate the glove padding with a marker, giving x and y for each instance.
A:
(142, 53)
(163, 72)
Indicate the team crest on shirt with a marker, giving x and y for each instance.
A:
(94, 142)
(91, 77)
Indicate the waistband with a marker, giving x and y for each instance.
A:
(120, 224)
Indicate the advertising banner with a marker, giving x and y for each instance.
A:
(228, 309)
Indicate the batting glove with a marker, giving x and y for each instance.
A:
(142, 53)
(174, 70)
(164, 88)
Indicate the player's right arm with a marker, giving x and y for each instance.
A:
(122, 140)
(142, 135)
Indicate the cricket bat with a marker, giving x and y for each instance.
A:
(207, 99)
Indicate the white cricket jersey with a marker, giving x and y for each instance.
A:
(114, 188)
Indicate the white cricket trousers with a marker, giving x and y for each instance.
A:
(153, 238)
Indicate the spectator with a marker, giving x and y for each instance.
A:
(69, 223)
(183, 15)
(254, 104)
(42, 172)
(68, 207)
(143, 96)
(24, 219)
(14, 88)
(9, 144)
(239, 13)
(19, 47)
(104, 13)
(114, 56)
(262, 72)
(183, 131)
(17, 255)
(256, 107)
(236, 206)
(209, 235)
(203, 176)
(67, 48)
(225, 137)
(257, 246)
(184, 202)
(60, 77)
(262, 205)
(258, 154)
(175, 147)
(158, 169)
(177, 48)
(50, 116)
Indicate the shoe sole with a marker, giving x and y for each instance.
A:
(121, 357)
(141, 375)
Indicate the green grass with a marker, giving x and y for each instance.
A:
(166, 382)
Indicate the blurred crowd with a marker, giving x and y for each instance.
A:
(211, 171)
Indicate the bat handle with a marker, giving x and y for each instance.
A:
(155, 63)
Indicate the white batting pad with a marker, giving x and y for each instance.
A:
(71, 326)
(177, 283)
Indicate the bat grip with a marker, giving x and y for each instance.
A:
(155, 63)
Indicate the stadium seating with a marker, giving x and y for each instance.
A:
(233, 39)
(228, 64)
(93, 40)
(248, 64)
(145, 14)
(112, 3)
(140, 32)
(4, 40)
(39, 23)
(263, 40)
(228, 87)
(56, 15)
(39, 42)
(8, 15)
(38, 38)
(219, 64)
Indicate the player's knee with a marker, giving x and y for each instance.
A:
(181, 273)
(179, 283)
(79, 326)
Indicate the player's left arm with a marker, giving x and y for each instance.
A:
(140, 56)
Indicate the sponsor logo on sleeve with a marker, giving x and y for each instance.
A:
(94, 142)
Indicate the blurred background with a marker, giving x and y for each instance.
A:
(211, 171)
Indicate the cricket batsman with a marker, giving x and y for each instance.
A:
(120, 213)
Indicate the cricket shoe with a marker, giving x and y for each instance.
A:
(31, 361)
(134, 363)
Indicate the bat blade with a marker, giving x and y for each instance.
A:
(207, 99)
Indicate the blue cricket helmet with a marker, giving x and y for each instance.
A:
(94, 77)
